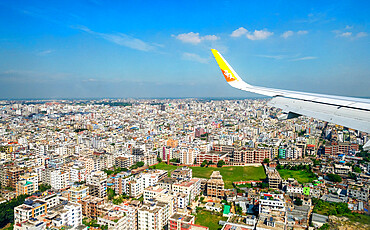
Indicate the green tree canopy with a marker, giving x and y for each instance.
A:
(334, 177)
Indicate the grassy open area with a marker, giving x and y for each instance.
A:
(206, 218)
(229, 174)
(300, 175)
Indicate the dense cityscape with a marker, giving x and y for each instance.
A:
(177, 164)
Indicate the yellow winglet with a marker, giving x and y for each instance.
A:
(226, 69)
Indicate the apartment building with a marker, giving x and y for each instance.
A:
(183, 173)
(69, 214)
(90, 206)
(358, 193)
(12, 176)
(97, 182)
(151, 217)
(77, 174)
(190, 188)
(27, 184)
(59, 179)
(123, 162)
(118, 217)
(153, 191)
(77, 192)
(30, 209)
(215, 185)
(271, 202)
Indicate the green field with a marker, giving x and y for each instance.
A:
(229, 174)
(208, 219)
(300, 175)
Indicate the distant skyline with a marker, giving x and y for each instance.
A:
(142, 49)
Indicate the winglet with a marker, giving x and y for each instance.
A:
(229, 73)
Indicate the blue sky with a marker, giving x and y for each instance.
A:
(84, 49)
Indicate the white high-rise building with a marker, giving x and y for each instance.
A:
(59, 179)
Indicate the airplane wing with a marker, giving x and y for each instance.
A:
(346, 111)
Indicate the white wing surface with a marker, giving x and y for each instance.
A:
(346, 111)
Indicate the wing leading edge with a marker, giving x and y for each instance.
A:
(346, 111)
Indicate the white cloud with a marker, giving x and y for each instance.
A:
(195, 38)
(277, 57)
(348, 27)
(259, 35)
(302, 32)
(287, 34)
(210, 37)
(128, 41)
(194, 57)
(121, 39)
(349, 34)
(361, 35)
(45, 52)
(239, 32)
(304, 58)
(345, 34)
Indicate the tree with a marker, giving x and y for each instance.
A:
(7, 210)
(266, 160)
(44, 187)
(238, 209)
(159, 159)
(220, 163)
(204, 163)
(111, 193)
(334, 177)
(140, 164)
(356, 169)
(298, 202)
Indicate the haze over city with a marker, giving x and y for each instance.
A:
(95, 49)
(191, 115)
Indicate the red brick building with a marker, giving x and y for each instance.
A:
(343, 148)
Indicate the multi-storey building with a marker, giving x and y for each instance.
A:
(190, 188)
(361, 194)
(77, 192)
(215, 185)
(343, 148)
(77, 174)
(183, 173)
(90, 206)
(27, 184)
(151, 217)
(123, 162)
(97, 182)
(211, 156)
(70, 215)
(153, 191)
(12, 176)
(118, 216)
(30, 209)
(59, 179)
(271, 202)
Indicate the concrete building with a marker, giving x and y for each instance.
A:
(78, 192)
(183, 173)
(215, 185)
(97, 182)
(59, 179)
